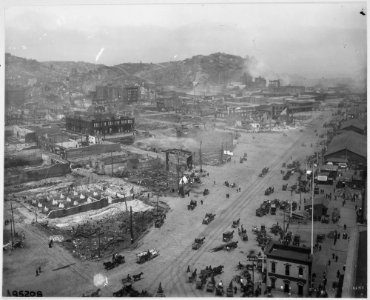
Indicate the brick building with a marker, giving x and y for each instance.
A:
(107, 94)
(100, 124)
(288, 268)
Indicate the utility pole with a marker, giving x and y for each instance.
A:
(11, 226)
(312, 205)
(178, 171)
(99, 242)
(111, 156)
(11, 207)
(200, 156)
(222, 153)
(291, 204)
(131, 230)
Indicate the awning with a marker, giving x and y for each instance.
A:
(322, 178)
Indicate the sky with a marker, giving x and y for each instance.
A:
(310, 39)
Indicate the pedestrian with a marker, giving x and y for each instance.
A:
(338, 236)
(39, 269)
(201, 202)
(336, 258)
(355, 207)
(333, 255)
(344, 268)
(37, 272)
(329, 262)
(338, 274)
(235, 289)
(345, 226)
(344, 202)
(335, 239)
(319, 247)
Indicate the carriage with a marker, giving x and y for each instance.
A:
(116, 261)
(208, 218)
(198, 243)
(235, 223)
(243, 235)
(227, 236)
(146, 256)
(192, 205)
(219, 290)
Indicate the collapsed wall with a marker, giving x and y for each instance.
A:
(25, 175)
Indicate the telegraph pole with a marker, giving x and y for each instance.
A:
(111, 156)
(99, 241)
(178, 171)
(200, 156)
(312, 209)
(131, 230)
(11, 226)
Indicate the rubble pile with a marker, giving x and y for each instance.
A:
(102, 234)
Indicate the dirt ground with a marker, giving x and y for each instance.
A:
(63, 275)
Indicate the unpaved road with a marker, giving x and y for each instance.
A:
(181, 226)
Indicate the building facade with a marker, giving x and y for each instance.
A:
(288, 268)
(100, 124)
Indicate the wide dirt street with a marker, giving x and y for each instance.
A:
(174, 238)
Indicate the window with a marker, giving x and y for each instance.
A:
(287, 270)
(273, 267)
(300, 271)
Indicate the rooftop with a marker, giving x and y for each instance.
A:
(354, 123)
(288, 253)
(349, 140)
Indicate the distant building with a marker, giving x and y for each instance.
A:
(259, 82)
(288, 268)
(296, 106)
(355, 126)
(133, 94)
(348, 147)
(108, 94)
(292, 89)
(100, 124)
(274, 83)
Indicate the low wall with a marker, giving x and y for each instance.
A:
(92, 150)
(64, 212)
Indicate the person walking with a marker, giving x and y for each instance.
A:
(336, 258)
(329, 262)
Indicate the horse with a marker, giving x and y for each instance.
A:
(137, 276)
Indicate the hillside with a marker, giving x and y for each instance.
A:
(214, 69)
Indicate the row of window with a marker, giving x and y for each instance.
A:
(109, 123)
(287, 269)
